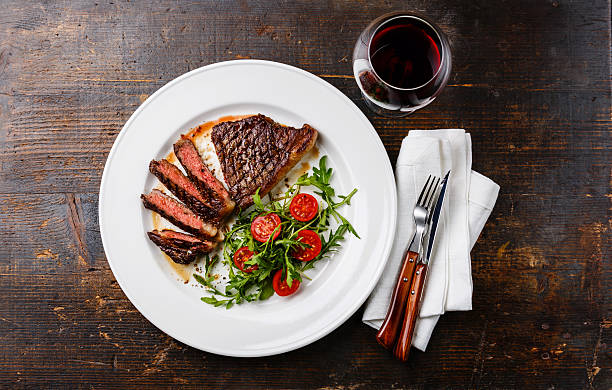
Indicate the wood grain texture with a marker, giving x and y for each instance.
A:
(531, 83)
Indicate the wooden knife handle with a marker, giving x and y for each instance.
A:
(402, 349)
(387, 333)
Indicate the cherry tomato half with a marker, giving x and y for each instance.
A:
(304, 207)
(308, 253)
(263, 226)
(281, 287)
(243, 255)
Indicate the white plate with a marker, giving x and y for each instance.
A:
(339, 285)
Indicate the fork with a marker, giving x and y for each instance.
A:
(388, 332)
(422, 212)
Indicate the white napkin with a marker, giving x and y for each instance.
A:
(469, 200)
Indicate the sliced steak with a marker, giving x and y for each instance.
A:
(178, 255)
(184, 189)
(178, 214)
(256, 152)
(180, 247)
(175, 238)
(201, 176)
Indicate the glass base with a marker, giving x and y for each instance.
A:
(390, 113)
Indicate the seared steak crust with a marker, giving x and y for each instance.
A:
(180, 247)
(201, 176)
(178, 214)
(256, 152)
(184, 189)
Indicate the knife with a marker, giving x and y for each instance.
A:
(402, 349)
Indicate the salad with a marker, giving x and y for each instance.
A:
(272, 244)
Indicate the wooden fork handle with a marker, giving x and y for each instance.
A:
(402, 349)
(387, 333)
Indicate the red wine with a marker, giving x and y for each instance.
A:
(405, 54)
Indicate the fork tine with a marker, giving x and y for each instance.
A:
(429, 191)
(423, 190)
(433, 195)
(431, 204)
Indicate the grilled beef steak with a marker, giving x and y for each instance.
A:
(199, 174)
(180, 247)
(184, 189)
(256, 152)
(178, 214)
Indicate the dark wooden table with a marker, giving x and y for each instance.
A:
(531, 83)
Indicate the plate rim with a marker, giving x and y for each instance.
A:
(392, 204)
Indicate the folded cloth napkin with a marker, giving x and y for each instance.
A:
(470, 197)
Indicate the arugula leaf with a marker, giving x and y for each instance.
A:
(257, 201)
(209, 300)
(267, 290)
(208, 284)
(333, 241)
(289, 271)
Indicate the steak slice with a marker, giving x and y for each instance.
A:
(201, 176)
(256, 152)
(180, 247)
(178, 214)
(183, 188)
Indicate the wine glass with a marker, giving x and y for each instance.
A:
(401, 63)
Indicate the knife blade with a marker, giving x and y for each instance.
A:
(435, 218)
